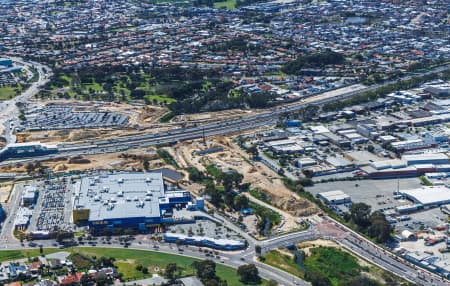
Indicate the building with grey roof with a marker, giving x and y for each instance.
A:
(126, 200)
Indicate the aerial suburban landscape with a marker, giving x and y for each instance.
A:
(225, 142)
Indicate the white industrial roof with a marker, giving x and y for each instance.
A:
(217, 241)
(425, 157)
(334, 195)
(429, 195)
(121, 195)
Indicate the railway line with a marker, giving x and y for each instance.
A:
(217, 128)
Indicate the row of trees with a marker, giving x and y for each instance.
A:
(373, 224)
(313, 60)
(206, 271)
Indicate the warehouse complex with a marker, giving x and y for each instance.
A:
(126, 200)
(428, 196)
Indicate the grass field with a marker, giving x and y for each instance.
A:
(127, 259)
(229, 4)
(284, 262)
(338, 266)
(160, 99)
(334, 263)
(6, 255)
(7, 92)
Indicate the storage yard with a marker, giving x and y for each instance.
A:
(70, 117)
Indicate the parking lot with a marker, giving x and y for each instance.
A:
(50, 212)
(205, 228)
(379, 194)
(51, 117)
(423, 220)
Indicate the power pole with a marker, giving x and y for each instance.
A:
(204, 137)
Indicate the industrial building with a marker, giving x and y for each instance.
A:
(335, 197)
(28, 149)
(428, 196)
(222, 244)
(139, 201)
(29, 195)
(426, 158)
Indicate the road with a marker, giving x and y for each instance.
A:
(217, 128)
(326, 229)
(9, 112)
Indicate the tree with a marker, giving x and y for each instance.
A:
(359, 214)
(240, 202)
(308, 173)
(317, 279)
(170, 271)
(253, 150)
(195, 175)
(272, 282)
(379, 228)
(228, 199)
(85, 280)
(146, 165)
(248, 274)
(205, 269)
(258, 249)
(362, 281)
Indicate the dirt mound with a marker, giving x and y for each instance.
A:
(78, 135)
(295, 206)
(61, 133)
(79, 160)
(59, 168)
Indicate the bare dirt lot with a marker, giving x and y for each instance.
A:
(5, 190)
(255, 173)
(129, 161)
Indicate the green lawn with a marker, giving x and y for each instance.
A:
(229, 4)
(127, 259)
(94, 86)
(282, 261)
(160, 99)
(7, 92)
(6, 255)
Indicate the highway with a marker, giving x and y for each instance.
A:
(218, 128)
(339, 233)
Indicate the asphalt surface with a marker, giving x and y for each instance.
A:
(347, 238)
(218, 128)
(9, 110)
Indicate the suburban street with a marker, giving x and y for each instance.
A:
(327, 229)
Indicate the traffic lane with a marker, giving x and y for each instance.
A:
(392, 265)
